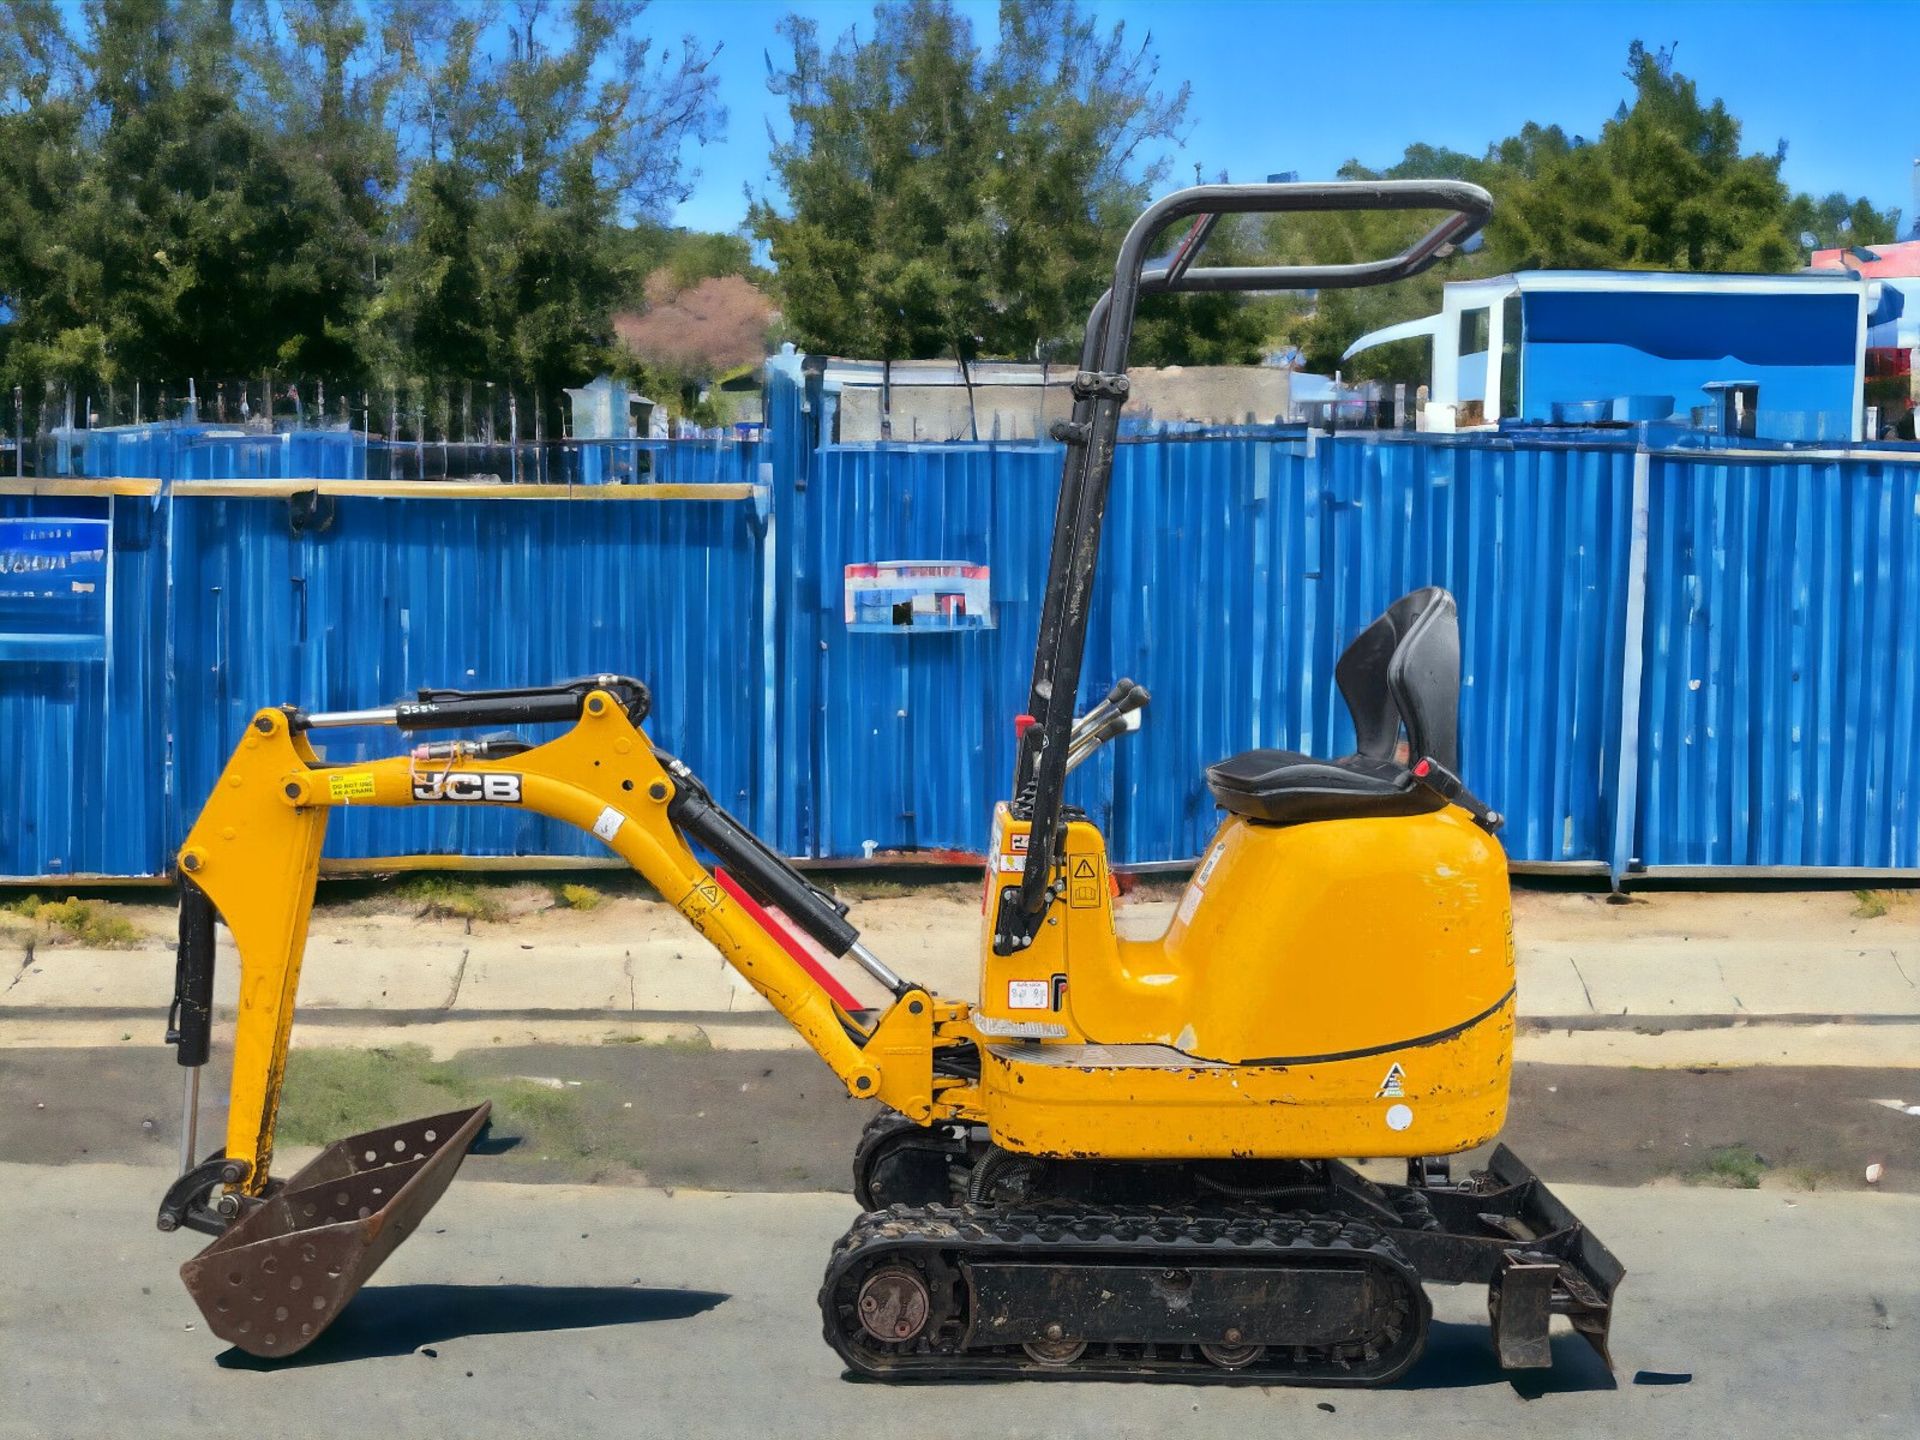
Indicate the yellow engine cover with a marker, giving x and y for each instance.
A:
(1343, 988)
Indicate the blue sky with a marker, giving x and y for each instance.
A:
(1285, 86)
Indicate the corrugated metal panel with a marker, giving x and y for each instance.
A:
(1533, 542)
(1234, 571)
(1781, 716)
(1208, 597)
(83, 745)
(1238, 615)
(396, 594)
(914, 731)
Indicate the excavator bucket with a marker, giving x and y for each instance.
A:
(284, 1271)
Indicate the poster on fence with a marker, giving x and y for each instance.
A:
(918, 595)
(53, 588)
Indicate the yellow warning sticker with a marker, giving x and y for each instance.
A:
(350, 785)
(1083, 893)
(699, 905)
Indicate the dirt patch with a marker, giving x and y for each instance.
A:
(673, 1115)
(555, 1125)
(777, 1120)
(1789, 1127)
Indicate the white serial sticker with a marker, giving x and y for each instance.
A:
(609, 823)
(1399, 1117)
(1190, 902)
(1394, 1086)
(1026, 994)
(1206, 870)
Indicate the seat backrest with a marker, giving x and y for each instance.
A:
(1362, 678)
(1404, 670)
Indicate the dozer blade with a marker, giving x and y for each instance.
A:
(1506, 1230)
(1560, 1269)
(284, 1271)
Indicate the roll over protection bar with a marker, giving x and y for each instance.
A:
(1100, 390)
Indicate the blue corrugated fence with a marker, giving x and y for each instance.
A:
(1762, 713)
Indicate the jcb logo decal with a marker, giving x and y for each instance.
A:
(489, 789)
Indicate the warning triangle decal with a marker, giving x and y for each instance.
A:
(1393, 1087)
(1082, 868)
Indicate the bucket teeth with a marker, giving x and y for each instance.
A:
(283, 1272)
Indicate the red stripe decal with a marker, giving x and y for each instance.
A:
(770, 923)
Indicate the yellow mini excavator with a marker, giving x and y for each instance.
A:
(1130, 1158)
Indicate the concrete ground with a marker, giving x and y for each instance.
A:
(1668, 1048)
(1655, 956)
(547, 1311)
(1668, 978)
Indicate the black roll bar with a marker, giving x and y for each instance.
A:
(1099, 392)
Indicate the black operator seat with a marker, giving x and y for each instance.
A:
(1403, 671)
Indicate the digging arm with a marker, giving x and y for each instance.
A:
(254, 854)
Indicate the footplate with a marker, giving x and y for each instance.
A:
(283, 1271)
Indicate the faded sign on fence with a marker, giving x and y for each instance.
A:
(906, 595)
(53, 588)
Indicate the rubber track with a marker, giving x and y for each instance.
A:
(881, 1130)
(1154, 1235)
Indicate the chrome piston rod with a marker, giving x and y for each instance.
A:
(189, 1116)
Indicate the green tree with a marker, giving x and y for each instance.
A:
(884, 251)
(1835, 220)
(943, 200)
(543, 135)
(179, 199)
(1666, 185)
(341, 189)
(323, 85)
(49, 286)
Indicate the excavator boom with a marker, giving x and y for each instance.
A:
(253, 858)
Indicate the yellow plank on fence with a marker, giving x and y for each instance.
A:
(78, 487)
(456, 490)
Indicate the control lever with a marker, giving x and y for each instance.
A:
(1091, 740)
(1101, 711)
(1124, 698)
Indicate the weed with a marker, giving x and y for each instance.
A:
(1812, 1177)
(698, 1042)
(903, 883)
(578, 897)
(1734, 1167)
(73, 921)
(1871, 904)
(441, 897)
